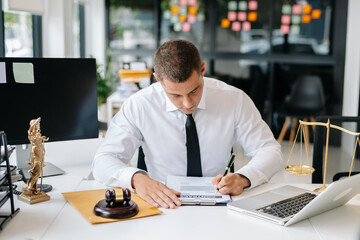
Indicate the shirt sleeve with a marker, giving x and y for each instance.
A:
(110, 165)
(258, 142)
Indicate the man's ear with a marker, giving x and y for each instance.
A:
(203, 68)
(156, 77)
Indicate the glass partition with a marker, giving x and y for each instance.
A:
(302, 27)
(243, 26)
(185, 19)
(132, 24)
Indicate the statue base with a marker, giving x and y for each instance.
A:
(31, 197)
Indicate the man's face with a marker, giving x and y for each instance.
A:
(185, 96)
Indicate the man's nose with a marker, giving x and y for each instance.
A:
(187, 102)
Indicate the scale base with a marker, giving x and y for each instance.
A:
(299, 169)
(319, 190)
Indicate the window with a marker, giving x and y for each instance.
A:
(76, 29)
(18, 34)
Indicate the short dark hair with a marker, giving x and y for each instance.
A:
(176, 60)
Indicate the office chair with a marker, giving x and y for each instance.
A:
(319, 143)
(306, 100)
(258, 89)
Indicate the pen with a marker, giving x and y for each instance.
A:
(231, 162)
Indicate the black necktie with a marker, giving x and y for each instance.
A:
(193, 149)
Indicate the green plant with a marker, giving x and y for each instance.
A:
(103, 88)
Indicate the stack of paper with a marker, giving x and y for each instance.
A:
(197, 190)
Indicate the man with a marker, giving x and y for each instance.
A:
(155, 119)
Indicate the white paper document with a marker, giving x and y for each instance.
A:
(196, 190)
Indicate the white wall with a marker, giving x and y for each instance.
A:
(54, 29)
(352, 61)
(95, 30)
(352, 71)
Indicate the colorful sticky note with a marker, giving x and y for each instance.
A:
(167, 14)
(232, 6)
(285, 19)
(174, 19)
(316, 14)
(286, 9)
(191, 19)
(306, 19)
(23, 72)
(2, 72)
(182, 18)
(246, 26)
(183, 10)
(225, 23)
(177, 27)
(236, 26)
(295, 29)
(252, 16)
(183, 2)
(243, 5)
(174, 10)
(296, 9)
(253, 5)
(242, 16)
(307, 9)
(186, 27)
(192, 10)
(231, 16)
(295, 19)
(192, 2)
(285, 29)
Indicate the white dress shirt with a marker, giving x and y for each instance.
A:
(149, 119)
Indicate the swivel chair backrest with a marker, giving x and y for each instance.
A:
(307, 95)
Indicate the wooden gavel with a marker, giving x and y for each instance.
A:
(117, 196)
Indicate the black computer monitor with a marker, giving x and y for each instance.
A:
(61, 91)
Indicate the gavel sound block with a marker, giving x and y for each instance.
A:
(117, 204)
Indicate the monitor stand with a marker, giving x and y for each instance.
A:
(23, 156)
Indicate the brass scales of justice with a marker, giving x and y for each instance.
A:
(302, 169)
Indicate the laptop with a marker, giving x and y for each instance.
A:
(287, 205)
(22, 155)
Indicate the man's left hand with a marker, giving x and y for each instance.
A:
(231, 183)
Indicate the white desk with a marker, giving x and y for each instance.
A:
(57, 219)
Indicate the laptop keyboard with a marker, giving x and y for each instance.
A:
(288, 206)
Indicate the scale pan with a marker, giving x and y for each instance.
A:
(299, 169)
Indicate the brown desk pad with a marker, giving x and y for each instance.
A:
(84, 202)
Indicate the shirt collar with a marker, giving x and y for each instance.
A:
(171, 107)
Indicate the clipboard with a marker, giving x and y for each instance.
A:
(197, 191)
(202, 200)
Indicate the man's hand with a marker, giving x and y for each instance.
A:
(154, 192)
(231, 183)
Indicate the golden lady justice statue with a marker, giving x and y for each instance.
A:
(31, 194)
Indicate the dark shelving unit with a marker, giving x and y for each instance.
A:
(5, 182)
